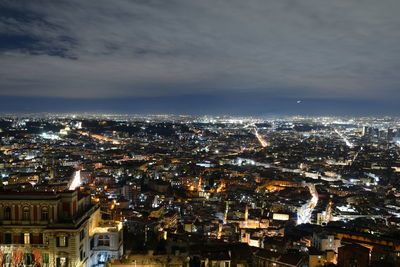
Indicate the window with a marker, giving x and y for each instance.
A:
(28, 259)
(7, 259)
(8, 238)
(62, 262)
(45, 258)
(27, 238)
(82, 235)
(7, 213)
(102, 257)
(45, 214)
(62, 241)
(26, 214)
(103, 240)
(82, 255)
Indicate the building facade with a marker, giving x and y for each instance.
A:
(53, 229)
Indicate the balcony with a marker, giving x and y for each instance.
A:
(22, 246)
(21, 222)
(108, 227)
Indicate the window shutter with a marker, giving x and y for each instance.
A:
(45, 258)
(57, 241)
(31, 238)
(22, 241)
(66, 242)
(40, 238)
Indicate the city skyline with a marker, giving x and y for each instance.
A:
(96, 190)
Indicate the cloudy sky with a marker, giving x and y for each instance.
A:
(201, 56)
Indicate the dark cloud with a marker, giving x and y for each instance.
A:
(344, 49)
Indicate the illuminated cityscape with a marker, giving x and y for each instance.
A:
(211, 133)
(122, 190)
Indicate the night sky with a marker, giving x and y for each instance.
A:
(252, 57)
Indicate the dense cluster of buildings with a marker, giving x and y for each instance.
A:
(113, 190)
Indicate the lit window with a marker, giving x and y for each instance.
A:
(62, 262)
(62, 241)
(27, 238)
(102, 258)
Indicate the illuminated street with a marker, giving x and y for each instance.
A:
(306, 211)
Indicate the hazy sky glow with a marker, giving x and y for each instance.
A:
(343, 51)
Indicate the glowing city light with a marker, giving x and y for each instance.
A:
(260, 139)
(305, 212)
(76, 181)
